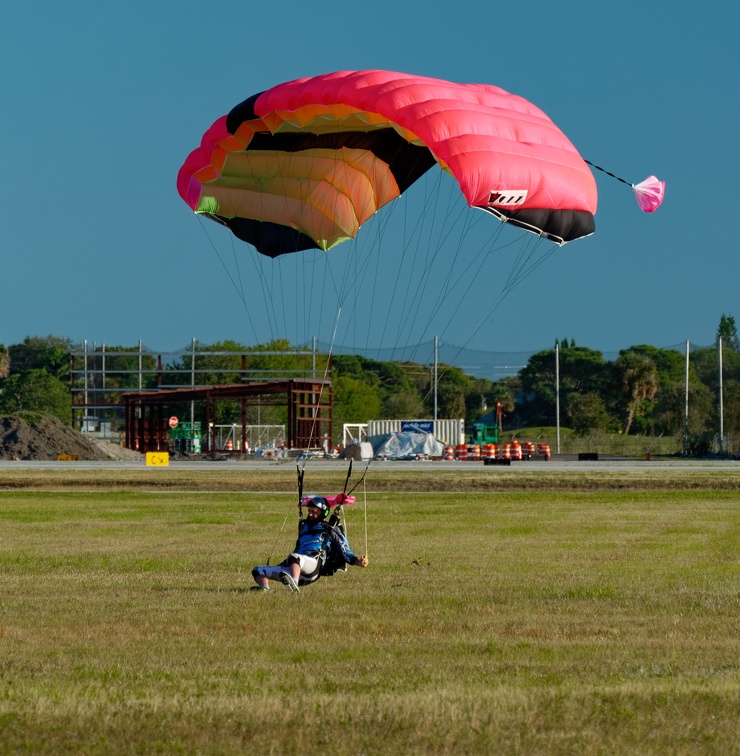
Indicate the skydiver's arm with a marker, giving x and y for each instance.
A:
(350, 557)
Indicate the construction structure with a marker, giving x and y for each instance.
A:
(308, 402)
(152, 399)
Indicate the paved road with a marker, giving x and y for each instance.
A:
(554, 464)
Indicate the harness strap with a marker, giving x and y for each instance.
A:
(312, 577)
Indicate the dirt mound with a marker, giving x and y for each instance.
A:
(113, 450)
(47, 439)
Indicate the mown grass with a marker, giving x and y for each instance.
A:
(529, 622)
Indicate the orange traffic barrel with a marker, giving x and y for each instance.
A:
(488, 451)
(229, 445)
(473, 453)
(461, 453)
(449, 454)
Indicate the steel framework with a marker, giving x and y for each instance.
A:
(308, 401)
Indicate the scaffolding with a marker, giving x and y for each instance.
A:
(308, 403)
(121, 392)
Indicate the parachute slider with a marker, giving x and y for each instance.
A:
(340, 500)
(333, 501)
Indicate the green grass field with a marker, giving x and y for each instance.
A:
(575, 616)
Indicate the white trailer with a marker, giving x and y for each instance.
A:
(451, 432)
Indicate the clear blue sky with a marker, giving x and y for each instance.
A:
(103, 101)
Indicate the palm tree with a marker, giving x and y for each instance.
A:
(639, 384)
(4, 362)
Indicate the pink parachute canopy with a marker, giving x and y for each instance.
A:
(305, 163)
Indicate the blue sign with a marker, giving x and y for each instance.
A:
(420, 426)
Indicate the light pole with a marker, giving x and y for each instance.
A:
(557, 397)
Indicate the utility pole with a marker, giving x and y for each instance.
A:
(686, 406)
(557, 397)
(192, 384)
(721, 402)
(141, 368)
(83, 425)
(436, 354)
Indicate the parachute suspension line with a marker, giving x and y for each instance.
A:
(271, 288)
(511, 283)
(433, 250)
(481, 257)
(287, 514)
(266, 289)
(368, 257)
(305, 271)
(519, 273)
(242, 294)
(281, 288)
(401, 261)
(337, 271)
(460, 221)
(341, 292)
(364, 257)
(307, 302)
(455, 220)
(239, 289)
(275, 543)
(523, 267)
(326, 373)
(364, 492)
(433, 244)
(382, 221)
(364, 498)
(467, 222)
(377, 245)
(404, 249)
(342, 287)
(453, 265)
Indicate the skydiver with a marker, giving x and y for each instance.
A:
(319, 543)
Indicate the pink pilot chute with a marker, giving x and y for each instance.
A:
(649, 194)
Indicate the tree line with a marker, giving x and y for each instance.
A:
(642, 391)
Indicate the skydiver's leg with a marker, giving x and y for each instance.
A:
(302, 566)
(262, 574)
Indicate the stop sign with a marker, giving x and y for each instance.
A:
(173, 422)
